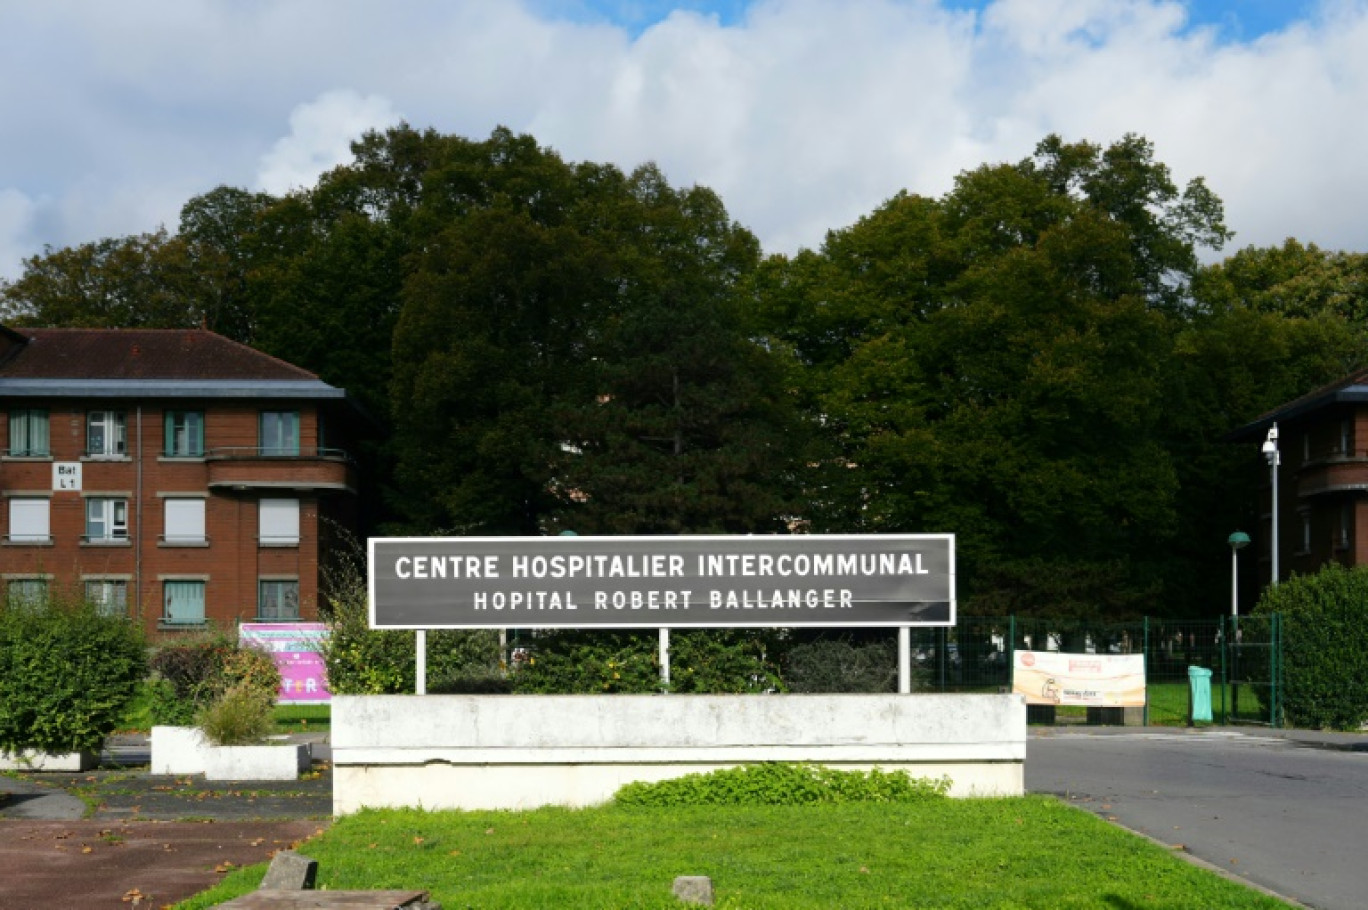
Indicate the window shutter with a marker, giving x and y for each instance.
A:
(279, 522)
(184, 520)
(29, 520)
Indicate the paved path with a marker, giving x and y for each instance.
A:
(1288, 812)
(119, 837)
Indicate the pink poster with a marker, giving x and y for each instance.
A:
(294, 647)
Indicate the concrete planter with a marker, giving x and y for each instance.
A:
(272, 762)
(186, 750)
(516, 752)
(31, 760)
(179, 750)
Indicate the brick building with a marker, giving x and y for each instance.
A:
(1321, 453)
(173, 475)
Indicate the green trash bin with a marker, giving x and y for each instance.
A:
(1199, 695)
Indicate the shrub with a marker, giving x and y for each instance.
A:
(238, 716)
(164, 706)
(365, 661)
(191, 668)
(1325, 646)
(69, 673)
(589, 662)
(782, 784)
(842, 665)
(603, 661)
(192, 674)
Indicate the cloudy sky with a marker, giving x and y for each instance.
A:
(803, 114)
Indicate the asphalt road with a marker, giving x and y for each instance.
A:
(1286, 814)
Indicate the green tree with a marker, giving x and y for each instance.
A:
(139, 281)
(993, 363)
(685, 425)
(490, 338)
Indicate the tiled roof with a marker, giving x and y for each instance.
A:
(1351, 389)
(141, 354)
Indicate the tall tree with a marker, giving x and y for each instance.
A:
(991, 363)
(685, 425)
(492, 335)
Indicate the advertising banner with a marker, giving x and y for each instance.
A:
(662, 582)
(1094, 680)
(294, 646)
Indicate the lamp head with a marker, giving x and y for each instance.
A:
(1239, 540)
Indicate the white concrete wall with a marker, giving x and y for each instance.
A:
(31, 760)
(179, 750)
(507, 751)
(284, 761)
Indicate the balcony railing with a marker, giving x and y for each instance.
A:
(277, 452)
(265, 467)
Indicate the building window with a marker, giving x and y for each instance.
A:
(1346, 525)
(106, 519)
(278, 601)
(184, 521)
(105, 434)
(1346, 439)
(184, 603)
(1306, 532)
(29, 520)
(279, 522)
(279, 432)
(26, 592)
(184, 434)
(28, 432)
(109, 597)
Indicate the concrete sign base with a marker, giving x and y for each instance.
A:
(516, 752)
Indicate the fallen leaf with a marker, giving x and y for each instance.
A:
(87, 849)
(133, 895)
(417, 839)
(224, 867)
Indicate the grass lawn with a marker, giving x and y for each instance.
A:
(1026, 852)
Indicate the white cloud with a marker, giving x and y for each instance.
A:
(803, 114)
(321, 133)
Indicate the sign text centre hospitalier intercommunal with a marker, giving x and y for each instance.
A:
(662, 581)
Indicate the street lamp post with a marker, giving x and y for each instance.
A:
(1238, 541)
(1270, 452)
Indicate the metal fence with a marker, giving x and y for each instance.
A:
(1244, 656)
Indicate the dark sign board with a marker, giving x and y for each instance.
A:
(662, 582)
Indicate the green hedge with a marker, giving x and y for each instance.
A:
(1325, 646)
(782, 784)
(68, 675)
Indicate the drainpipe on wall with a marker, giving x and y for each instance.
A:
(137, 539)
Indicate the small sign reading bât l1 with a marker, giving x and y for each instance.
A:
(662, 582)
